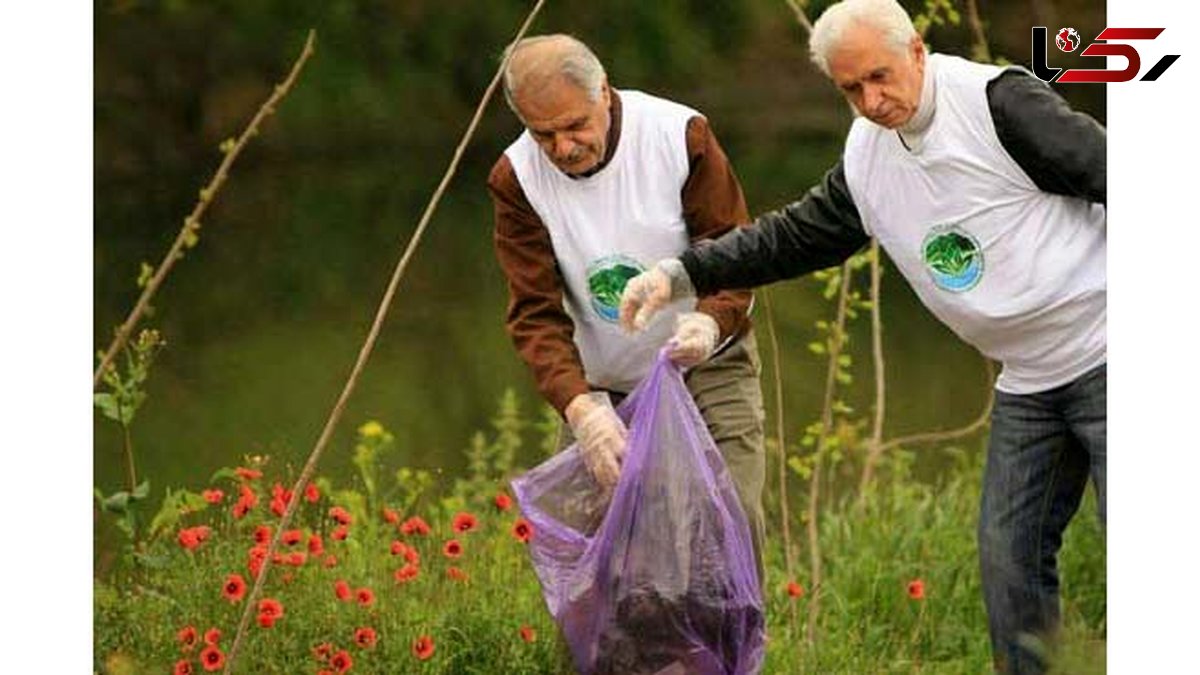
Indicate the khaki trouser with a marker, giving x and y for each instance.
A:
(727, 392)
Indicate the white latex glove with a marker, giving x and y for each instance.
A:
(601, 435)
(696, 335)
(651, 290)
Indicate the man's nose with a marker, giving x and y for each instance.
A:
(563, 146)
(871, 98)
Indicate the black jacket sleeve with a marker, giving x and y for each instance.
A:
(820, 230)
(1063, 151)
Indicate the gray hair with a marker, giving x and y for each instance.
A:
(558, 55)
(885, 15)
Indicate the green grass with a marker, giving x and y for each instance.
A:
(905, 530)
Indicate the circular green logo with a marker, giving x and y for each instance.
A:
(606, 280)
(953, 258)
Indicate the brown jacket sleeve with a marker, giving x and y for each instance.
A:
(713, 204)
(539, 327)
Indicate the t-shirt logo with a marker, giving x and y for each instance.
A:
(606, 280)
(953, 258)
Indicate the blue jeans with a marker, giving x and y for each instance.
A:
(1042, 449)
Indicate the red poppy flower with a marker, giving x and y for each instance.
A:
(330, 561)
(240, 509)
(248, 474)
(456, 573)
(187, 637)
(234, 588)
(522, 530)
(463, 522)
(452, 549)
(188, 538)
(212, 658)
(406, 573)
(794, 589)
(322, 651)
(341, 661)
(248, 495)
(340, 533)
(341, 589)
(415, 525)
(254, 567)
(325, 671)
(292, 537)
(212, 636)
(213, 496)
(422, 647)
(262, 534)
(342, 516)
(365, 597)
(297, 558)
(916, 589)
(270, 607)
(183, 667)
(266, 620)
(503, 501)
(398, 547)
(528, 634)
(365, 637)
(312, 493)
(278, 506)
(315, 545)
(390, 516)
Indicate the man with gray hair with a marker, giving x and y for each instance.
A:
(988, 193)
(602, 183)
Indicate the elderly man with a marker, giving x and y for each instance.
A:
(601, 184)
(988, 192)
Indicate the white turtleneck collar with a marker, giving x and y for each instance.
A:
(912, 133)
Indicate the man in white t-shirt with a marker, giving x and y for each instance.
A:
(601, 184)
(988, 193)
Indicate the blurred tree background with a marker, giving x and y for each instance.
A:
(264, 317)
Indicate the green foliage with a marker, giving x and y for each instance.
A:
(123, 504)
(491, 462)
(126, 390)
(906, 530)
(175, 505)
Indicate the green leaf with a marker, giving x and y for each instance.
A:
(117, 502)
(141, 491)
(224, 472)
(107, 403)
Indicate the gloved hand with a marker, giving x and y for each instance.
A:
(695, 338)
(600, 433)
(649, 291)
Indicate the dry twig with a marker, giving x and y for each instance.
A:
(191, 225)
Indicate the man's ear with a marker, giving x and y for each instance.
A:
(917, 49)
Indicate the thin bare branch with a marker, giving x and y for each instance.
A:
(940, 436)
(365, 352)
(784, 512)
(837, 337)
(876, 442)
(187, 234)
(980, 50)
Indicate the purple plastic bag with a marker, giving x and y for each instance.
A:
(661, 578)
